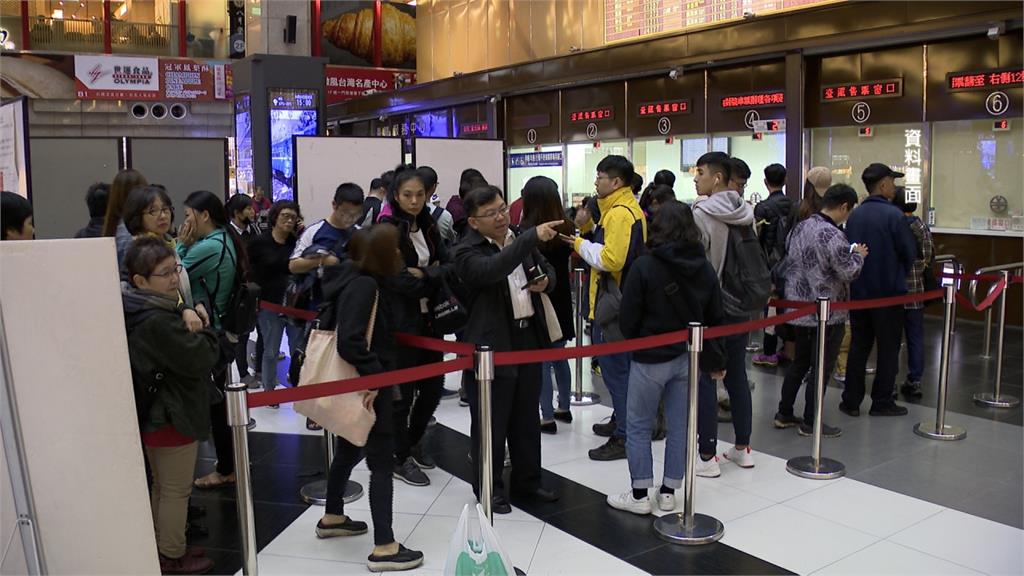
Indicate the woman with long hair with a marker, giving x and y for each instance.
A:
(818, 180)
(542, 203)
(113, 224)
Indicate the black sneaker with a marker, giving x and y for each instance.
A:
(411, 474)
(448, 393)
(888, 410)
(605, 429)
(549, 427)
(827, 431)
(855, 412)
(613, 449)
(787, 420)
(405, 559)
(911, 389)
(422, 459)
(563, 416)
(349, 527)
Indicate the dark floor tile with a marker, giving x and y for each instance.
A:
(710, 559)
(225, 561)
(1004, 504)
(929, 480)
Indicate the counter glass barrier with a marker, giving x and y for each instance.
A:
(525, 162)
(581, 161)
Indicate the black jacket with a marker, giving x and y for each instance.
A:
(94, 229)
(352, 294)
(776, 205)
(484, 270)
(668, 288)
(558, 255)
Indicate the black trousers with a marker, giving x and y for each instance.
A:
(883, 326)
(806, 358)
(514, 418)
(418, 402)
(223, 444)
(378, 450)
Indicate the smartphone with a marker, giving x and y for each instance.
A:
(566, 237)
(536, 280)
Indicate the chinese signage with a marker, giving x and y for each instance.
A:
(475, 128)
(758, 100)
(118, 78)
(535, 159)
(348, 82)
(192, 80)
(666, 108)
(912, 164)
(1006, 78)
(860, 90)
(604, 113)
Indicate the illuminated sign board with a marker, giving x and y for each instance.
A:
(756, 100)
(1000, 125)
(892, 88)
(664, 108)
(1005, 78)
(595, 114)
(475, 128)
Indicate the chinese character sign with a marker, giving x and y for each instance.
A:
(348, 82)
(912, 165)
(862, 90)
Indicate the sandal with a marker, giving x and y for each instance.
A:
(214, 480)
(310, 425)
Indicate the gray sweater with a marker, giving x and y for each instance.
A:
(714, 214)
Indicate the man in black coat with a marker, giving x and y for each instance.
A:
(504, 276)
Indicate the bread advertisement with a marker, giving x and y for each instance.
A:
(346, 34)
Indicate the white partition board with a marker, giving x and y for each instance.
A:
(450, 157)
(322, 163)
(72, 380)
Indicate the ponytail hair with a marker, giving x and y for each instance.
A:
(205, 201)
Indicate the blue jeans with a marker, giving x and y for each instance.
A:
(562, 377)
(913, 325)
(615, 373)
(273, 326)
(650, 384)
(739, 397)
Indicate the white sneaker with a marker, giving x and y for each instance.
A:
(625, 501)
(742, 458)
(708, 468)
(666, 502)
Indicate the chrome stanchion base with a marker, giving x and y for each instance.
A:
(827, 469)
(930, 430)
(585, 399)
(251, 424)
(315, 493)
(993, 401)
(705, 529)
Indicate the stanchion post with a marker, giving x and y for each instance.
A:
(484, 362)
(315, 492)
(814, 466)
(579, 397)
(997, 399)
(938, 430)
(987, 349)
(238, 419)
(690, 528)
(958, 270)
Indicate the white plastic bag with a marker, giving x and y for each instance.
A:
(475, 549)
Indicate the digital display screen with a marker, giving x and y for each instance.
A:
(431, 124)
(292, 100)
(665, 108)
(1000, 125)
(292, 113)
(604, 113)
(862, 90)
(691, 149)
(981, 80)
(243, 145)
(757, 100)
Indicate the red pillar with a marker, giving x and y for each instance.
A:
(107, 44)
(314, 20)
(378, 40)
(182, 29)
(26, 42)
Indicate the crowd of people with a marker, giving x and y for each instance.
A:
(388, 260)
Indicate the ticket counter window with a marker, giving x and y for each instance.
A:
(525, 162)
(581, 166)
(758, 154)
(847, 150)
(975, 167)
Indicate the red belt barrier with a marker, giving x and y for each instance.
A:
(293, 312)
(887, 302)
(435, 344)
(988, 301)
(983, 277)
(734, 329)
(554, 354)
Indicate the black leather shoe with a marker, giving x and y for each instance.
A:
(855, 412)
(538, 495)
(549, 427)
(888, 410)
(500, 505)
(605, 429)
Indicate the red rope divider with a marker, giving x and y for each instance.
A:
(982, 277)
(293, 312)
(733, 329)
(988, 301)
(435, 344)
(886, 302)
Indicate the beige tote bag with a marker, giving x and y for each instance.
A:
(348, 415)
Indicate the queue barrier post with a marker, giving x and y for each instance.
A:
(484, 368)
(815, 467)
(315, 492)
(939, 430)
(688, 527)
(579, 397)
(238, 419)
(996, 399)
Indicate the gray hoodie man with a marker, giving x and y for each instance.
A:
(714, 214)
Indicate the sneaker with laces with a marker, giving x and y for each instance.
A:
(422, 459)
(626, 502)
(613, 449)
(766, 360)
(742, 458)
(410, 473)
(605, 429)
(786, 420)
(349, 527)
(667, 502)
(826, 430)
(404, 559)
(708, 468)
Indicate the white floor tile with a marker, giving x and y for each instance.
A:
(605, 477)
(275, 565)
(863, 506)
(566, 446)
(794, 540)
(299, 539)
(719, 500)
(281, 420)
(560, 553)
(768, 478)
(888, 558)
(407, 499)
(458, 493)
(433, 536)
(967, 540)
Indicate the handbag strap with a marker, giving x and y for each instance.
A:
(373, 320)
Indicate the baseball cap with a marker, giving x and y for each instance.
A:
(875, 172)
(821, 178)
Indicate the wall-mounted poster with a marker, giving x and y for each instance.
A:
(243, 143)
(346, 33)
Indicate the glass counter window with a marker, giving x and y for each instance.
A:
(525, 162)
(581, 166)
(758, 154)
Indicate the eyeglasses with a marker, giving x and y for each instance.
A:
(154, 212)
(172, 272)
(503, 211)
(286, 217)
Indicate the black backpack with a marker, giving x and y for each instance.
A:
(240, 317)
(746, 279)
(774, 245)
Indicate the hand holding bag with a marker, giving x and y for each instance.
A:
(447, 314)
(349, 415)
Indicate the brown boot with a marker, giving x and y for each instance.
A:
(187, 564)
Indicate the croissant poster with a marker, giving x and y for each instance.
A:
(346, 34)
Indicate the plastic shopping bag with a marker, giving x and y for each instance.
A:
(475, 549)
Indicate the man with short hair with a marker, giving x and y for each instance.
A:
(373, 202)
(242, 216)
(96, 200)
(440, 215)
(618, 239)
(739, 174)
(772, 218)
(717, 208)
(505, 276)
(881, 226)
(324, 242)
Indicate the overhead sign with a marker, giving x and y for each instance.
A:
(475, 128)
(535, 159)
(116, 77)
(892, 88)
(755, 100)
(603, 113)
(664, 108)
(770, 125)
(1003, 78)
(348, 82)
